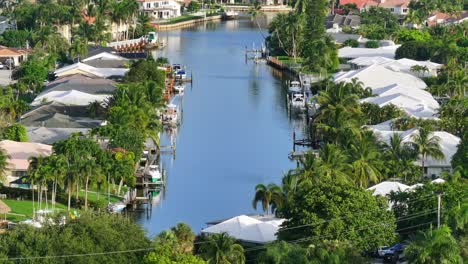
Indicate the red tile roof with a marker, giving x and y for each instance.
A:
(359, 3)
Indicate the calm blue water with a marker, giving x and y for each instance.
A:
(235, 133)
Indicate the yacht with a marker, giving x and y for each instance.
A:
(298, 100)
(154, 173)
(171, 115)
(179, 88)
(295, 87)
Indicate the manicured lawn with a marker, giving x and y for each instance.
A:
(24, 207)
(92, 196)
(179, 19)
(289, 60)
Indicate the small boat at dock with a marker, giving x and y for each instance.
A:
(295, 87)
(170, 116)
(230, 15)
(154, 173)
(179, 88)
(117, 208)
(298, 100)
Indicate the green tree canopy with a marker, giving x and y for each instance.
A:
(337, 211)
(16, 132)
(90, 233)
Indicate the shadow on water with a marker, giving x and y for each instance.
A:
(236, 130)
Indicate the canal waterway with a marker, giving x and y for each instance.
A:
(235, 133)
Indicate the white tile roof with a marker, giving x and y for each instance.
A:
(386, 187)
(71, 97)
(415, 102)
(448, 144)
(105, 56)
(377, 76)
(247, 229)
(349, 52)
(99, 72)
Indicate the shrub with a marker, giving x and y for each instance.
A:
(373, 44)
(351, 43)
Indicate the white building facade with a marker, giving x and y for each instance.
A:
(160, 9)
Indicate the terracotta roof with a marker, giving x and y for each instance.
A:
(359, 3)
(20, 152)
(381, 3)
(440, 18)
(388, 3)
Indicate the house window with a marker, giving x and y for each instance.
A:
(392, 9)
(405, 10)
(148, 5)
(156, 5)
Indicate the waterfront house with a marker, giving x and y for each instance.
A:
(377, 76)
(48, 135)
(56, 115)
(415, 102)
(337, 21)
(18, 157)
(106, 60)
(160, 9)
(247, 229)
(402, 65)
(438, 18)
(432, 167)
(397, 7)
(84, 69)
(352, 53)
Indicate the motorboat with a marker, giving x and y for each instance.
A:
(181, 74)
(154, 173)
(117, 208)
(179, 88)
(298, 100)
(230, 14)
(170, 115)
(295, 87)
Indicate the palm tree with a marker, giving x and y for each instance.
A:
(366, 159)
(426, 144)
(3, 164)
(434, 246)
(185, 237)
(399, 156)
(221, 249)
(255, 11)
(419, 69)
(270, 195)
(79, 48)
(333, 163)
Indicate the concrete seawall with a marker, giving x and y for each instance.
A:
(188, 23)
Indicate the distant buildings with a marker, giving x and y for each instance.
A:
(160, 9)
(439, 18)
(398, 7)
(13, 55)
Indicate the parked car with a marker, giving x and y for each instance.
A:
(1, 66)
(398, 248)
(381, 251)
(391, 257)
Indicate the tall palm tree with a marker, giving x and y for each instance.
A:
(426, 144)
(222, 249)
(255, 11)
(270, 196)
(3, 164)
(366, 159)
(434, 246)
(399, 156)
(333, 163)
(185, 237)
